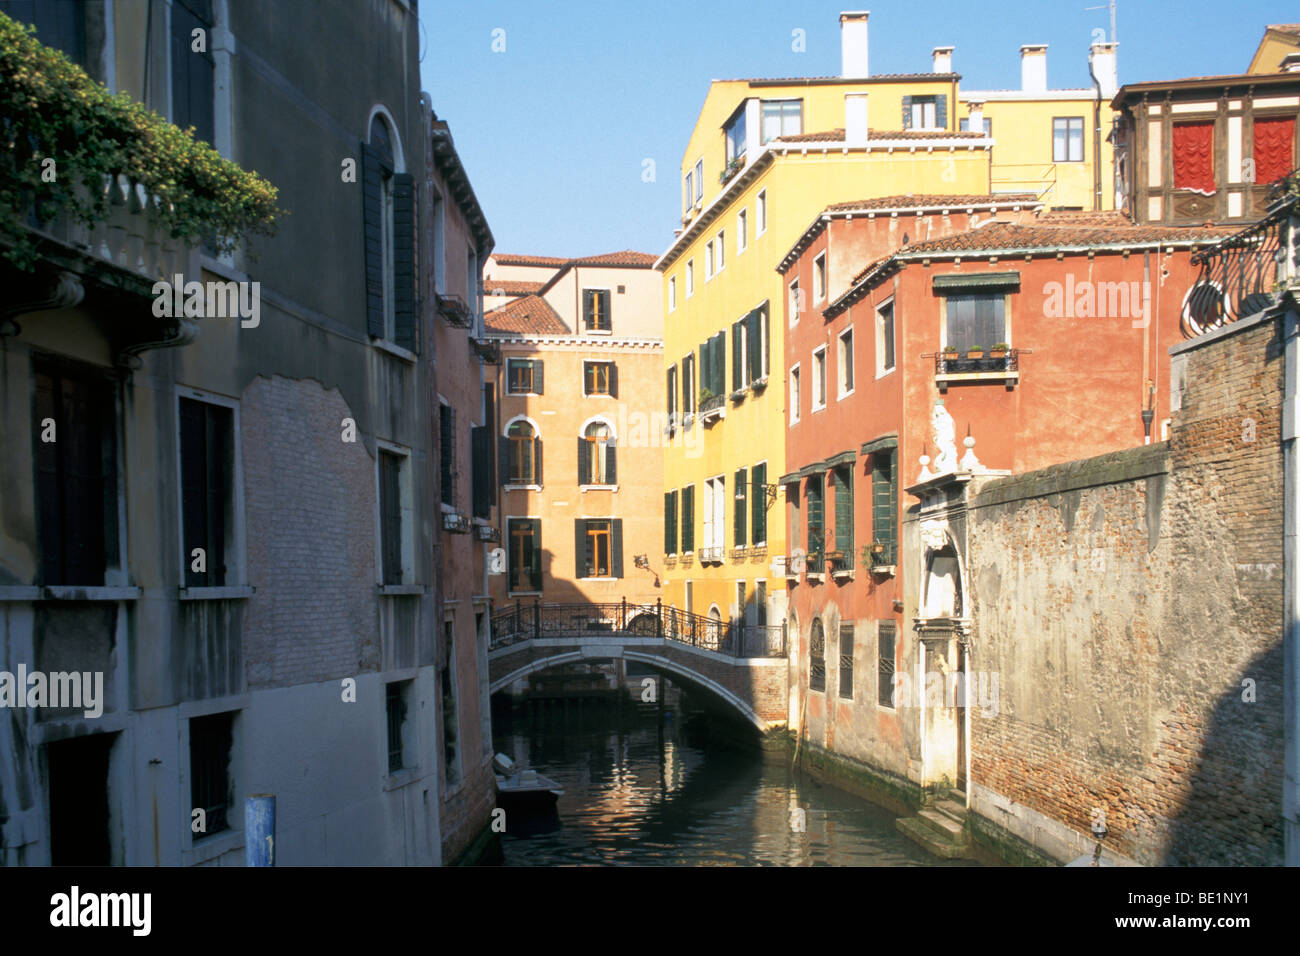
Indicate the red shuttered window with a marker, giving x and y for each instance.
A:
(1194, 157)
(1274, 148)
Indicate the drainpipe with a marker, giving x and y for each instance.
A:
(1096, 141)
(1148, 409)
(1291, 553)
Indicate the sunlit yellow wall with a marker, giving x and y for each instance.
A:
(1274, 46)
(1022, 151)
(823, 110)
(797, 187)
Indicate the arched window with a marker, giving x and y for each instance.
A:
(523, 454)
(389, 238)
(596, 450)
(817, 657)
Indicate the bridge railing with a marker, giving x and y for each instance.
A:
(524, 622)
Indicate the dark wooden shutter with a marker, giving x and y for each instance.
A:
(766, 352)
(581, 549)
(613, 380)
(688, 519)
(193, 74)
(611, 462)
(670, 522)
(754, 331)
(616, 547)
(741, 506)
(816, 538)
(480, 444)
(584, 461)
(882, 503)
(372, 233)
(537, 376)
(669, 393)
(907, 112)
(588, 299)
(758, 503)
(941, 111)
(447, 453)
(844, 511)
(607, 317)
(404, 261)
(204, 447)
(535, 559)
(537, 461)
(737, 356)
(503, 458)
(390, 510)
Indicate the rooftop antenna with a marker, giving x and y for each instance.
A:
(1111, 5)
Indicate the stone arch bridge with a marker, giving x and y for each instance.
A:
(744, 666)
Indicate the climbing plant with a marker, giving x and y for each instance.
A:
(63, 135)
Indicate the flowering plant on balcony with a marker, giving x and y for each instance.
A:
(737, 163)
(64, 137)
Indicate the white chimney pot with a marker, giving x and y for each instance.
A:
(1102, 59)
(942, 58)
(853, 44)
(1033, 68)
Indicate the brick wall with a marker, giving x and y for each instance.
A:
(1131, 606)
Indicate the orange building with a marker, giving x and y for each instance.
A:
(580, 431)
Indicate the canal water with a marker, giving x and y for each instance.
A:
(677, 790)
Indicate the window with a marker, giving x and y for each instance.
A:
(795, 304)
(1274, 147)
(447, 453)
(720, 245)
(749, 348)
(483, 477)
(975, 321)
(389, 240)
(207, 491)
(699, 180)
(596, 449)
(819, 278)
(600, 378)
(672, 294)
(690, 278)
(885, 666)
(925, 112)
(689, 199)
(817, 657)
(193, 73)
(688, 385)
(396, 705)
(1193, 154)
(524, 376)
(742, 230)
(758, 503)
(794, 394)
(390, 515)
(884, 506)
(525, 553)
(672, 395)
(885, 338)
(708, 260)
(964, 126)
(211, 787)
(819, 379)
(713, 375)
(598, 547)
(760, 603)
(741, 512)
(76, 474)
(715, 514)
(670, 522)
(595, 310)
(735, 135)
(844, 363)
(523, 455)
(1067, 139)
(688, 521)
(815, 543)
(742, 602)
(846, 661)
(841, 480)
(781, 118)
(760, 226)
(450, 713)
(60, 24)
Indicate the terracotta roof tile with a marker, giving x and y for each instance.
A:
(509, 260)
(776, 80)
(625, 257)
(935, 200)
(527, 314)
(1285, 27)
(837, 135)
(510, 287)
(1066, 217)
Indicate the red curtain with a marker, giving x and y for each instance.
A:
(1274, 148)
(1194, 157)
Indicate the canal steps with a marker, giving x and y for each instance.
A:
(940, 828)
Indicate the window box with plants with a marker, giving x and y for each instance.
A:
(733, 167)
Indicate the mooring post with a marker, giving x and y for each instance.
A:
(537, 619)
(622, 625)
(259, 830)
(659, 616)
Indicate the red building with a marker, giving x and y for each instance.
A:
(1040, 336)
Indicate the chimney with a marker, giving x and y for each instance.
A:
(976, 121)
(1033, 67)
(853, 44)
(855, 119)
(1291, 63)
(942, 57)
(1105, 67)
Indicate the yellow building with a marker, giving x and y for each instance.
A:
(1048, 141)
(1280, 42)
(766, 157)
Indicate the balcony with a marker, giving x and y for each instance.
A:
(712, 408)
(455, 523)
(486, 532)
(454, 309)
(710, 555)
(976, 366)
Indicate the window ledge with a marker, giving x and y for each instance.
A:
(406, 355)
(68, 592)
(523, 594)
(597, 331)
(401, 778)
(883, 569)
(393, 589)
(587, 488)
(846, 575)
(234, 592)
(210, 847)
(603, 577)
(522, 487)
(524, 394)
(815, 576)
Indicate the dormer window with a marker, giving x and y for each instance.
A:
(735, 134)
(782, 118)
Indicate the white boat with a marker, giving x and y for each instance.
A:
(523, 787)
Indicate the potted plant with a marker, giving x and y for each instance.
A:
(975, 352)
(999, 350)
(950, 351)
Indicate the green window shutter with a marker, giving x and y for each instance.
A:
(758, 503)
(607, 317)
(941, 111)
(670, 522)
(584, 461)
(537, 461)
(737, 372)
(537, 376)
(720, 362)
(844, 512)
(702, 375)
(753, 330)
(581, 552)
(372, 199)
(616, 547)
(611, 462)
(907, 112)
(613, 380)
(816, 544)
(688, 519)
(535, 559)
(404, 261)
(884, 495)
(742, 506)
(587, 300)
(503, 457)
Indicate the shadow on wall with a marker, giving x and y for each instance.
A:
(1233, 813)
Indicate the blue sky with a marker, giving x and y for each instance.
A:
(554, 129)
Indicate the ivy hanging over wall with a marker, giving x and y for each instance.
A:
(50, 109)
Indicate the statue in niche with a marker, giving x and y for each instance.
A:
(945, 440)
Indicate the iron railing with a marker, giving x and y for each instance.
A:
(1246, 272)
(525, 622)
(954, 363)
